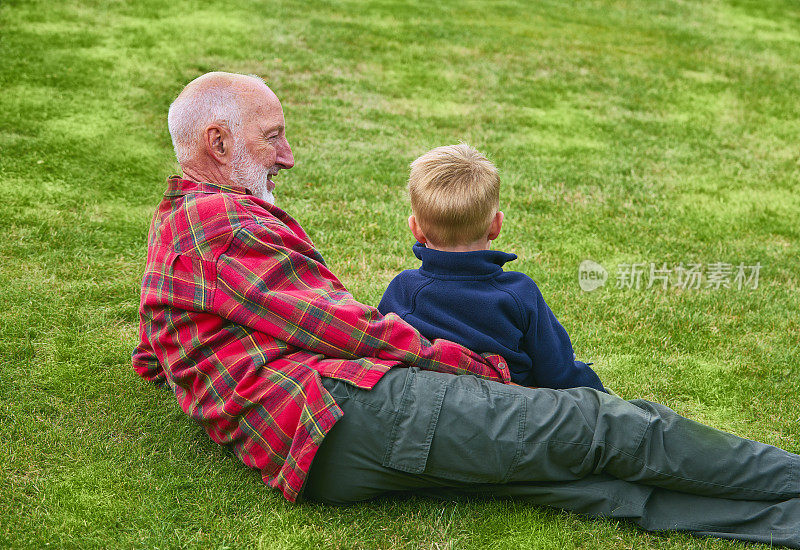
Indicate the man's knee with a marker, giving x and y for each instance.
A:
(486, 432)
(572, 433)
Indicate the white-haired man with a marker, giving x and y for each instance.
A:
(215, 114)
(266, 349)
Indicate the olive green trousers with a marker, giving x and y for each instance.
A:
(576, 449)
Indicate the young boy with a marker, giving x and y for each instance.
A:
(461, 293)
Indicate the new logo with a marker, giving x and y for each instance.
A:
(591, 275)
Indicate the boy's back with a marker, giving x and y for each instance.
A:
(466, 297)
(461, 292)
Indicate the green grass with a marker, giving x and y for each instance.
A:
(625, 132)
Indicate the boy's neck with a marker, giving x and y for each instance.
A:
(471, 247)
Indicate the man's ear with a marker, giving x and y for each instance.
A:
(496, 225)
(416, 230)
(218, 141)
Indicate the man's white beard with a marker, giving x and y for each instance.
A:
(250, 175)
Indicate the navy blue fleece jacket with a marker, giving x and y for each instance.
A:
(466, 297)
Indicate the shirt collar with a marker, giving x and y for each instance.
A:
(177, 186)
(477, 262)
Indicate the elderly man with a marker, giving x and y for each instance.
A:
(265, 348)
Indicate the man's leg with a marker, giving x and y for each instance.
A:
(556, 435)
(655, 509)
(419, 429)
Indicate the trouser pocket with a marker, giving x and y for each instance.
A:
(458, 428)
(408, 445)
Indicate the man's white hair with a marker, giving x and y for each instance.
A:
(191, 113)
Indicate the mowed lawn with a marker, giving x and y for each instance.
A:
(625, 132)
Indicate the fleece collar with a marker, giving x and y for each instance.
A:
(461, 264)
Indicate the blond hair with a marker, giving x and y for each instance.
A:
(455, 193)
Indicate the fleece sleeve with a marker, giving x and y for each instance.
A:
(550, 349)
(396, 299)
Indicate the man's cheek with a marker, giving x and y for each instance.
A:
(270, 156)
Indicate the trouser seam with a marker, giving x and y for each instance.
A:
(647, 428)
(523, 417)
(711, 483)
(694, 526)
(514, 395)
(370, 405)
(616, 501)
(641, 460)
(691, 480)
(387, 455)
(432, 426)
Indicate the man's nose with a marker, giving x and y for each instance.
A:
(285, 158)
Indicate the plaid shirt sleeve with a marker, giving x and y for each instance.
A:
(273, 281)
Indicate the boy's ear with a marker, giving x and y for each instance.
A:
(496, 225)
(416, 230)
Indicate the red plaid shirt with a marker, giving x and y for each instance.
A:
(241, 317)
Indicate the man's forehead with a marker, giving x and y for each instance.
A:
(261, 105)
(265, 106)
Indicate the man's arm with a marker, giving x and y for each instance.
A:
(265, 281)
